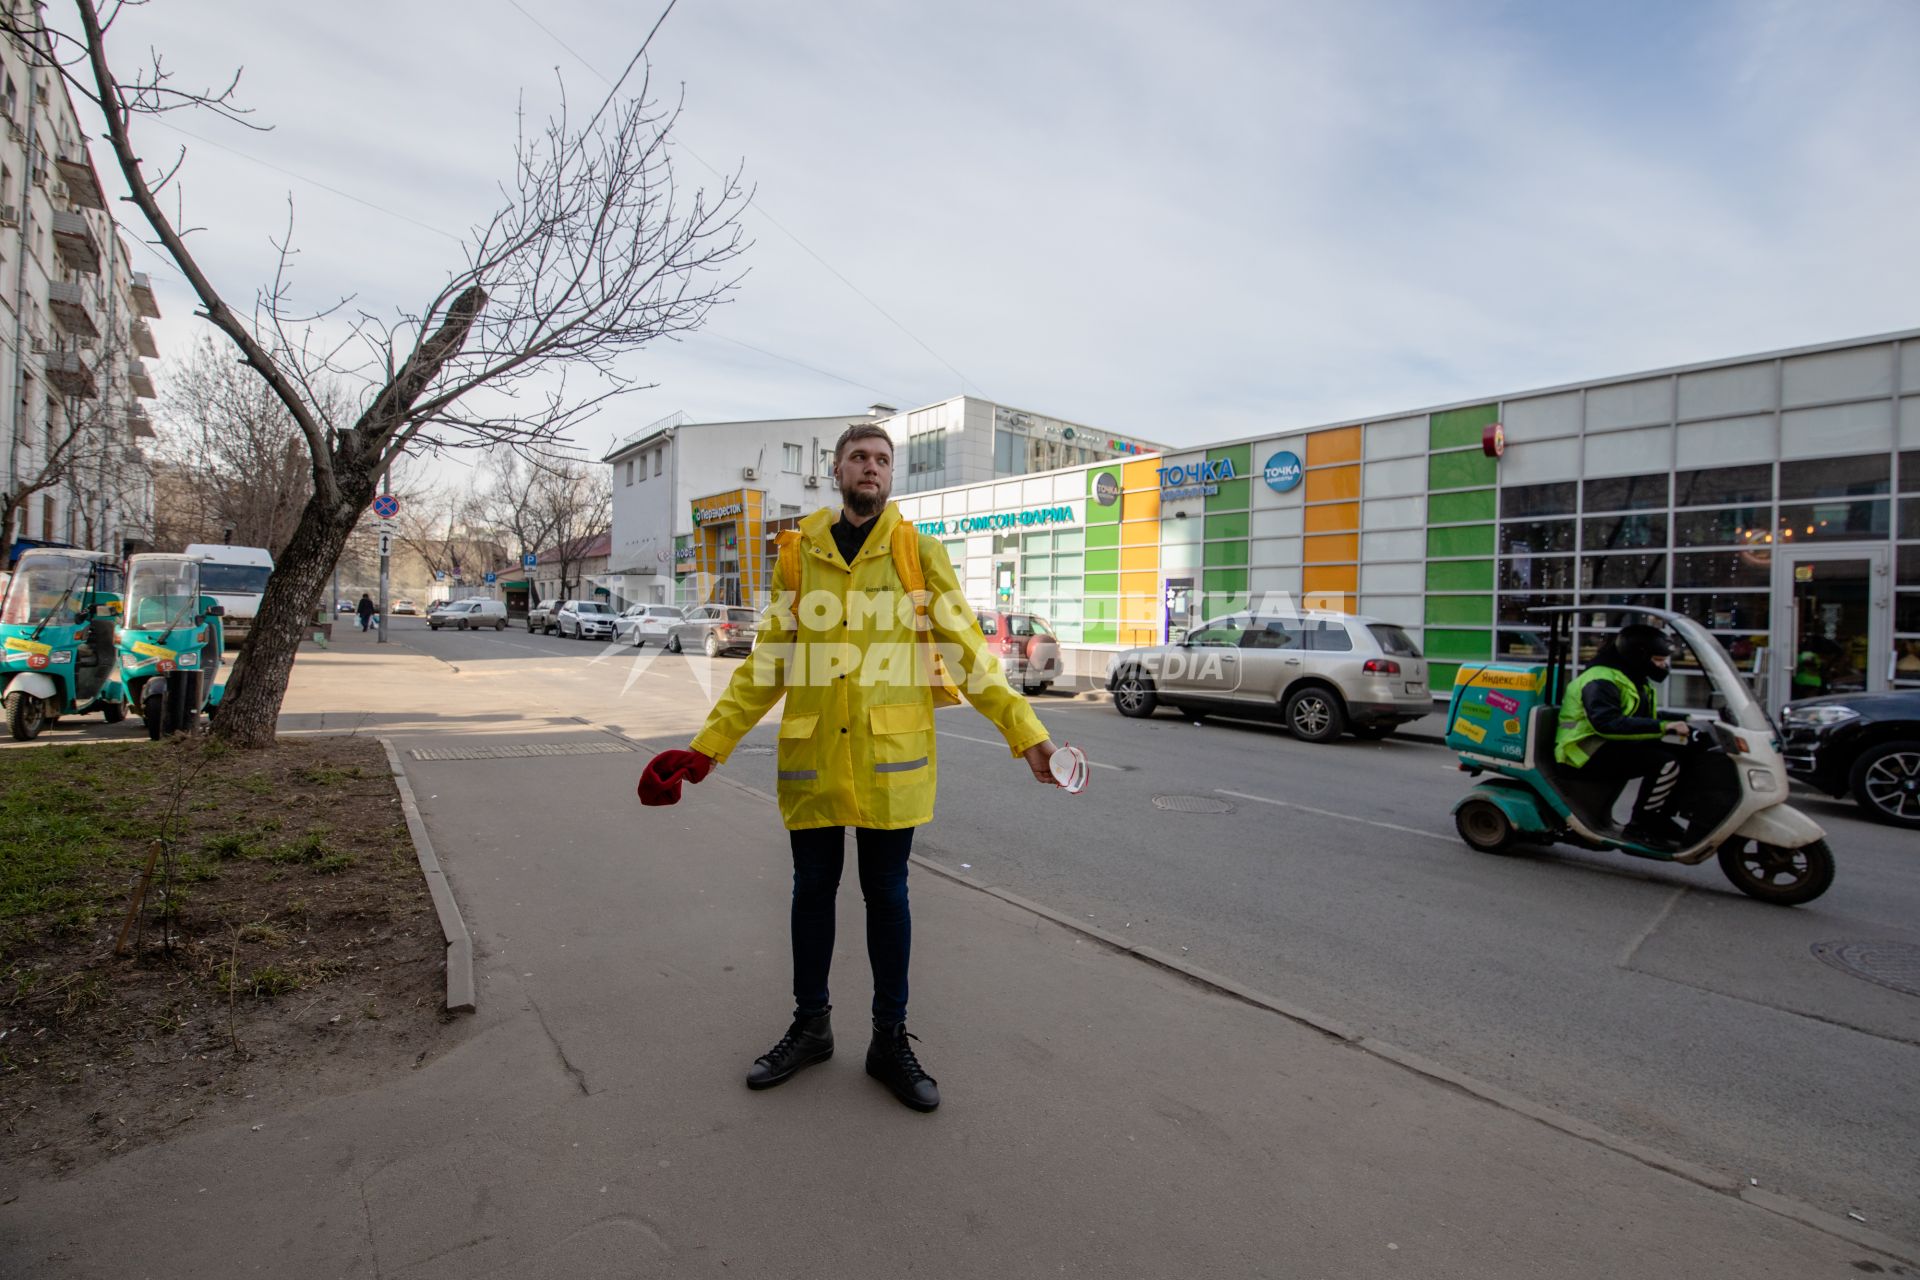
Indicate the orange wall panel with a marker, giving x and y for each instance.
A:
(1332, 548)
(1333, 484)
(1141, 482)
(1337, 517)
(1342, 444)
(1141, 533)
(1330, 577)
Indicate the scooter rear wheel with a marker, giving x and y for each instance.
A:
(1784, 877)
(1485, 826)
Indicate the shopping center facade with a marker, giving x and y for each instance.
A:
(1774, 497)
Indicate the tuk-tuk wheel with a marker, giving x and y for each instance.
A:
(26, 716)
(1484, 826)
(115, 712)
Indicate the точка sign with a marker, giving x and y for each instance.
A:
(1282, 471)
(1195, 479)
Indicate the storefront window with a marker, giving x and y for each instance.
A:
(1536, 537)
(1906, 664)
(1539, 500)
(1836, 477)
(1537, 573)
(1619, 533)
(1724, 610)
(1835, 521)
(1909, 571)
(1723, 569)
(1910, 517)
(1727, 527)
(1723, 485)
(1519, 609)
(1626, 493)
(1622, 572)
(1910, 471)
(1521, 644)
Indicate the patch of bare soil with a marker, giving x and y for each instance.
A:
(286, 947)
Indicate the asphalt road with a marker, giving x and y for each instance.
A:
(1655, 1001)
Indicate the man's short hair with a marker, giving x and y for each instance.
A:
(861, 431)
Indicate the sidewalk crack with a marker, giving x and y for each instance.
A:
(578, 1076)
(366, 1215)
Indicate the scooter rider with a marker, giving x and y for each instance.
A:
(1610, 726)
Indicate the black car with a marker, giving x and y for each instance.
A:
(1862, 744)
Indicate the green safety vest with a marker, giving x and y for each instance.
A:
(1577, 739)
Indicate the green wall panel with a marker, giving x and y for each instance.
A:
(1097, 514)
(1226, 524)
(1457, 508)
(1223, 554)
(1443, 644)
(1224, 581)
(1215, 604)
(1460, 540)
(1460, 575)
(1241, 455)
(1103, 584)
(1460, 611)
(1101, 633)
(1234, 494)
(1103, 535)
(1440, 676)
(1103, 560)
(1466, 469)
(1457, 427)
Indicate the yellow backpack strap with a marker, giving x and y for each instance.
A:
(906, 563)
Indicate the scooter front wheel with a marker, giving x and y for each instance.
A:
(1784, 877)
(26, 716)
(1485, 826)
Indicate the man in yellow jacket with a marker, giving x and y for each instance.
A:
(850, 652)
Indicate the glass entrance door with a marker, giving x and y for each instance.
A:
(1831, 627)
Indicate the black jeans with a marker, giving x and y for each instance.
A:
(1659, 764)
(819, 853)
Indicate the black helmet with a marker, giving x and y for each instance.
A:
(1636, 646)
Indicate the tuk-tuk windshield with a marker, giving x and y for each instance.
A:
(162, 594)
(1742, 708)
(42, 585)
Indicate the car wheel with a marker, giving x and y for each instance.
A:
(463, 624)
(713, 645)
(1484, 825)
(673, 644)
(1315, 715)
(529, 626)
(1133, 694)
(501, 625)
(1886, 782)
(1784, 877)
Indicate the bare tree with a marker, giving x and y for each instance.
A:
(593, 252)
(575, 502)
(507, 504)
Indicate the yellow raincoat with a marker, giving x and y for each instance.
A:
(857, 745)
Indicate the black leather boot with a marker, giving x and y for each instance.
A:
(808, 1040)
(890, 1060)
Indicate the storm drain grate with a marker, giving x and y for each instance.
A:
(510, 750)
(1191, 804)
(1890, 964)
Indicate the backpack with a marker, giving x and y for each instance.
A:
(906, 563)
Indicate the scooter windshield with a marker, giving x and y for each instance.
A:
(162, 596)
(1742, 707)
(45, 589)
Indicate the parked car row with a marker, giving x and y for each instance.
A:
(469, 614)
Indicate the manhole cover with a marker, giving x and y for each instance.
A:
(1191, 804)
(509, 750)
(1891, 964)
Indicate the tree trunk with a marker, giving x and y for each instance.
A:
(250, 709)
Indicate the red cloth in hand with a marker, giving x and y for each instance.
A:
(660, 781)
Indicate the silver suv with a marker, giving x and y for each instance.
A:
(1320, 673)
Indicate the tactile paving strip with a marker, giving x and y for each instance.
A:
(507, 751)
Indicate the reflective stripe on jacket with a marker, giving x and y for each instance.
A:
(1577, 738)
(857, 745)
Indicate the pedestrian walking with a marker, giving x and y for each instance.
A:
(365, 610)
(868, 619)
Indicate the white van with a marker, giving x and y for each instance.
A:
(236, 577)
(469, 614)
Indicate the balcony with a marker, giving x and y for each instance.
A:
(138, 423)
(83, 185)
(137, 379)
(143, 340)
(143, 301)
(73, 241)
(71, 375)
(68, 303)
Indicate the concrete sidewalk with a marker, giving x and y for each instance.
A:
(1102, 1116)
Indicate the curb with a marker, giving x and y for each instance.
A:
(460, 991)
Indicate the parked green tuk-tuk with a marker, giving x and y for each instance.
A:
(56, 640)
(170, 643)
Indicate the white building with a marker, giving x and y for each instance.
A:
(73, 328)
(696, 505)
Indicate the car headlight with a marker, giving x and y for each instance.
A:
(1820, 717)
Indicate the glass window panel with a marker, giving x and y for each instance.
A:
(1723, 484)
(1070, 540)
(1622, 572)
(1331, 637)
(1520, 644)
(1727, 527)
(1723, 569)
(1536, 573)
(1906, 661)
(1626, 599)
(1539, 499)
(1910, 517)
(1829, 521)
(1910, 471)
(1626, 493)
(1031, 565)
(1836, 477)
(1514, 609)
(1536, 537)
(1909, 571)
(1621, 533)
(1906, 611)
(1724, 610)
(1068, 565)
(1038, 541)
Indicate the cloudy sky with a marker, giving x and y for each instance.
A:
(1185, 222)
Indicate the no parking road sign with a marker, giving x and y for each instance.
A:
(386, 506)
